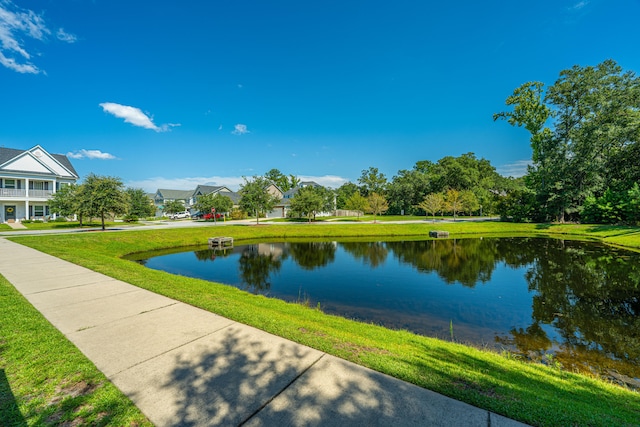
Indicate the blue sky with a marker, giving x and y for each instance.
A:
(167, 94)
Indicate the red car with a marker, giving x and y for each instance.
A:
(209, 216)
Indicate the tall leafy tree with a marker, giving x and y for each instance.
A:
(64, 202)
(206, 202)
(357, 202)
(453, 201)
(468, 201)
(307, 202)
(584, 133)
(343, 193)
(377, 205)
(406, 190)
(255, 197)
(105, 196)
(372, 181)
(284, 182)
(432, 203)
(173, 206)
(139, 205)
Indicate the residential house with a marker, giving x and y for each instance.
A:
(201, 190)
(279, 210)
(163, 196)
(287, 196)
(28, 178)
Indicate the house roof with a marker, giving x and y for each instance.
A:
(46, 162)
(208, 189)
(235, 197)
(289, 194)
(174, 194)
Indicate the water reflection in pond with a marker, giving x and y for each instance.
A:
(569, 302)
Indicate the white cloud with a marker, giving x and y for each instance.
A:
(66, 37)
(325, 180)
(150, 185)
(515, 169)
(135, 116)
(90, 154)
(240, 129)
(579, 5)
(16, 24)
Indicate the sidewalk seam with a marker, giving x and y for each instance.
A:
(84, 328)
(79, 286)
(112, 376)
(264, 405)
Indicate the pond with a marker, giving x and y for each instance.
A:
(576, 304)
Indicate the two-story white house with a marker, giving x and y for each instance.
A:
(28, 178)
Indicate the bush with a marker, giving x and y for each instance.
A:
(60, 219)
(238, 214)
(517, 206)
(130, 218)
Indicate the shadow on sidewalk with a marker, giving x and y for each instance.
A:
(238, 380)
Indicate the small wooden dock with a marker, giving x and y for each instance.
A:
(220, 242)
(438, 234)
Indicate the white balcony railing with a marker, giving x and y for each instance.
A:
(41, 194)
(35, 194)
(12, 192)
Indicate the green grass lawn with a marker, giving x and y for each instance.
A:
(532, 393)
(45, 380)
(53, 225)
(364, 218)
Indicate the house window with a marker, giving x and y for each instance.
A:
(9, 183)
(38, 210)
(38, 185)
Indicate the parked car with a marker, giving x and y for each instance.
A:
(209, 216)
(180, 215)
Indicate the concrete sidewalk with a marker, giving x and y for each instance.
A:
(183, 366)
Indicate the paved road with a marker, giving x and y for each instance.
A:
(159, 225)
(183, 366)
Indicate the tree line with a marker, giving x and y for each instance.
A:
(452, 185)
(584, 134)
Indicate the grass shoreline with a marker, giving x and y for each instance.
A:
(534, 394)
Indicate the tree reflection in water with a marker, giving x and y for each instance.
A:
(312, 255)
(372, 254)
(256, 264)
(466, 261)
(591, 295)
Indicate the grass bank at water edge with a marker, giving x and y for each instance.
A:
(531, 393)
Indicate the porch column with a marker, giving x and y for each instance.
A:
(26, 189)
(26, 210)
(53, 191)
